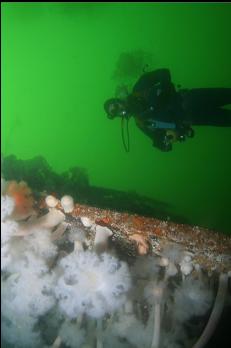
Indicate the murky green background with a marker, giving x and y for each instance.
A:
(58, 61)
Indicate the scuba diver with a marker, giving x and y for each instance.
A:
(166, 114)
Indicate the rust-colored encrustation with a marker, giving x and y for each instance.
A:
(210, 249)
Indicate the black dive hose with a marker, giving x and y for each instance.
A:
(126, 146)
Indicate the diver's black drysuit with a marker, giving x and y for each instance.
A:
(158, 107)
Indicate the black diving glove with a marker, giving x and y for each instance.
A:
(184, 131)
(164, 139)
(163, 142)
(167, 143)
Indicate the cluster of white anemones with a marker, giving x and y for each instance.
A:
(81, 283)
(92, 284)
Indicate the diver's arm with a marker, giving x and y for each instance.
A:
(155, 88)
(162, 140)
(161, 77)
(160, 137)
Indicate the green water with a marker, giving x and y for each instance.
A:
(58, 63)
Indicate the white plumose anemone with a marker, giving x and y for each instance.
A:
(67, 203)
(7, 207)
(92, 284)
(193, 298)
